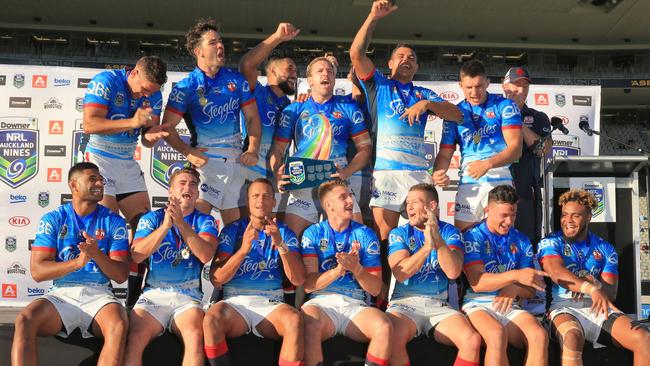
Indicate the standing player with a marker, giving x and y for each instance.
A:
(320, 128)
(399, 111)
(118, 106)
(179, 240)
(81, 246)
(210, 99)
(499, 267)
(584, 270)
(423, 255)
(489, 138)
(526, 171)
(281, 76)
(342, 262)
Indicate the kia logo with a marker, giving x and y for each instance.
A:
(19, 221)
(565, 120)
(449, 95)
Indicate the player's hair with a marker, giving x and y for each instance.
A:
(260, 180)
(580, 196)
(403, 45)
(503, 194)
(429, 189)
(275, 58)
(318, 59)
(80, 167)
(327, 187)
(194, 34)
(154, 69)
(472, 68)
(187, 170)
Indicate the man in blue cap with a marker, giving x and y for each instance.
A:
(526, 172)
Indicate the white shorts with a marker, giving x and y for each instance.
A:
(305, 203)
(390, 187)
(253, 309)
(424, 311)
(471, 200)
(591, 324)
(165, 306)
(504, 319)
(77, 306)
(122, 176)
(339, 308)
(221, 183)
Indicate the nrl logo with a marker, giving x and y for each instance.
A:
(296, 172)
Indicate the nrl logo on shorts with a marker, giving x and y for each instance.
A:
(10, 243)
(19, 145)
(323, 245)
(597, 190)
(296, 172)
(560, 100)
(19, 80)
(43, 198)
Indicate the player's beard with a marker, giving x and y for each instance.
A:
(287, 87)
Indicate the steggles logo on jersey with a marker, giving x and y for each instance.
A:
(257, 269)
(19, 147)
(220, 113)
(165, 160)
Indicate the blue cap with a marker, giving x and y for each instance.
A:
(516, 73)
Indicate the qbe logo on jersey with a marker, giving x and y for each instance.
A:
(165, 160)
(19, 147)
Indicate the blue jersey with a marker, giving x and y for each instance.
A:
(399, 146)
(60, 231)
(261, 271)
(593, 256)
(270, 107)
(322, 242)
(165, 273)
(430, 280)
(109, 90)
(321, 131)
(480, 136)
(497, 254)
(211, 109)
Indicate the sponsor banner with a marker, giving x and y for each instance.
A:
(604, 191)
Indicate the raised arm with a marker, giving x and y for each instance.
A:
(360, 61)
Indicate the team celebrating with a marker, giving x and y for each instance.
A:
(274, 239)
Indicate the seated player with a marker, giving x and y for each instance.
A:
(253, 255)
(499, 267)
(81, 246)
(423, 255)
(342, 262)
(178, 240)
(584, 270)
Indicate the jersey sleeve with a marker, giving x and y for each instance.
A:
(227, 240)
(47, 233)
(98, 92)
(179, 98)
(309, 242)
(357, 119)
(397, 240)
(371, 258)
(510, 115)
(207, 227)
(549, 248)
(472, 242)
(611, 262)
(146, 225)
(247, 96)
(119, 237)
(288, 119)
(432, 96)
(155, 100)
(449, 135)
(453, 238)
(526, 257)
(291, 240)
